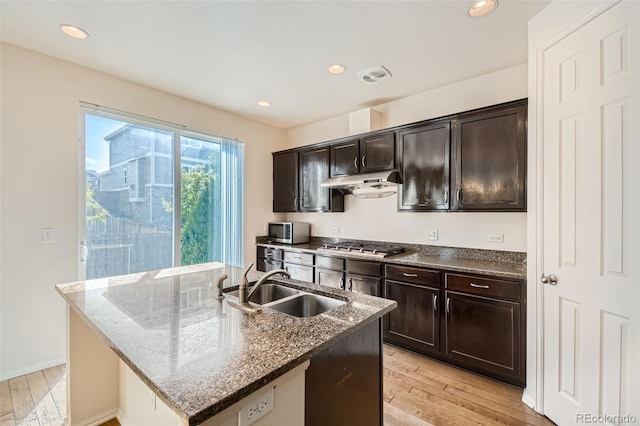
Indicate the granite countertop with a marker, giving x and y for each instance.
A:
(198, 354)
(484, 262)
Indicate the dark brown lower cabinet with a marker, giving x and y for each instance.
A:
(484, 333)
(478, 324)
(364, 277)
(330, 271)
(415, 324)
(343, 384)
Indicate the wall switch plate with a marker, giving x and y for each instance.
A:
(47, 235)
(335, 230)
(256, 409)
(432, 234)
(496, 238)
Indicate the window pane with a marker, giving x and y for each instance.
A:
(129, 196)
(200, 201)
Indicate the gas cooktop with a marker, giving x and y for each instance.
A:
(370, 251)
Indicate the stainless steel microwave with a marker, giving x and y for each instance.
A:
(289, 232)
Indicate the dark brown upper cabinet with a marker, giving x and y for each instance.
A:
(363, 155)
(423, 162)
(285, 182)
(297, 176)
(488, 157)
(314, 169)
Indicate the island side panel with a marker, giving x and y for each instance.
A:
(344, 382)
(92, 375)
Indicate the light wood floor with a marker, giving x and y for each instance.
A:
(421, 391)
(417, 391)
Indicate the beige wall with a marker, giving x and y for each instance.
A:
(378, 219)
(39, 175)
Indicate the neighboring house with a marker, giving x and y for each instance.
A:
(139, 183)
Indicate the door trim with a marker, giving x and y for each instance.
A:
(566, 23)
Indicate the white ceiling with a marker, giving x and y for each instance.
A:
(231, 54)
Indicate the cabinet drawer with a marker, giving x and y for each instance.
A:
(363, 267)
(267, 265)
(269, 253)
(297, 257)
(483, 286)
(329, 262)
(418, 276)
(300, 272)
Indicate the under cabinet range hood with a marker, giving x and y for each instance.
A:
(368, 185)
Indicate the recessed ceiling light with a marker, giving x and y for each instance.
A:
(482, 7)
(74, 32)
(264, 104)
(336, 69)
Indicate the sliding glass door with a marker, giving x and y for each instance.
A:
(156, 196)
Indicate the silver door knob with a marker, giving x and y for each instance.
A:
(549, 279)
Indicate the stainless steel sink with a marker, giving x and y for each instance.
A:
(268, 293)
(306, 305)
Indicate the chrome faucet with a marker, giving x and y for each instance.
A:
(244, 295)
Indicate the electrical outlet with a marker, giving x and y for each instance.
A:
(432, 234)
(256, 409)
(47, 235)
(496, 238)
(335, 230)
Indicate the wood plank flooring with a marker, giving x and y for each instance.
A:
(418, 391)
(422, 391)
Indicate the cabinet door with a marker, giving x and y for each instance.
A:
(415, 323)
(314, 169)
(489, 158)
(484, 333)
(377, 153)
(300, 272)
(285, 182)
(362, 284)
(424, 166)
(330, 278)
(345, 158)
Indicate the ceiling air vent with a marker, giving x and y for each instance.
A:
(374, 75)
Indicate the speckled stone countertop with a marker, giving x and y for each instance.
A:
(202, 356)
(486, 262)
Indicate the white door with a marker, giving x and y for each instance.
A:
(591, 232)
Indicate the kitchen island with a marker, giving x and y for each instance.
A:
(160, 346)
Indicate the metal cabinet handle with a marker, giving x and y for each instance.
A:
(355, 162)
(297, 257)
(549, 279)
(409, 275)
(478, 285)
(446, 195)
(342, 283)
(295, 202)
(448, 305)
(364, 165)
(458, 195)
(301, 202)
(269, 255)
(350, 284)
(435, 302)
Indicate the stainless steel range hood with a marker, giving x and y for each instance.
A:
(369, 185)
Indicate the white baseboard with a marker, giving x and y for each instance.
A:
(6, 375)
(98, 419)
(527, 399)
